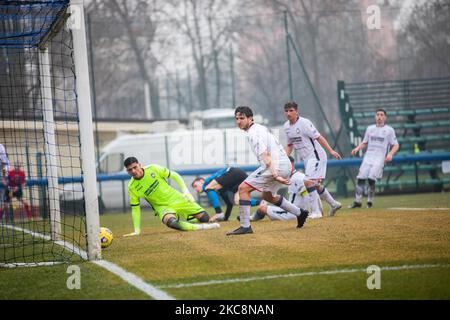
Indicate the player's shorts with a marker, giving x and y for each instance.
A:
(315, 169)
(276, 213)
(370, 170)
(18, 194)
(231, 179)
(182, 209)
(262, 180)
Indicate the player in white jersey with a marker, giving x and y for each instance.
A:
(5, 169)
(309, 144)
(381, 143)
(274, 171)
(4, 160)
(298, 196)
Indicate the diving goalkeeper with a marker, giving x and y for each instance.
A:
(168, 203)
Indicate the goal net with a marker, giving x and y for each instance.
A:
(40, 132)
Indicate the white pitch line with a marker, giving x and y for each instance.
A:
(302, 274)
(26, 264)
(128, 277)
(32, 233)
(134, 280)
(419, 209)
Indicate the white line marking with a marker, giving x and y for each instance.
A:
(419, 209)
(26, 264)
(129, 277)
(32, 233)
(68, 245)
(134, 280)
(302, 274)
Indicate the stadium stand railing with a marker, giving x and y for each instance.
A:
(418, 110)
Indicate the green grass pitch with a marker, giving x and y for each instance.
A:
(278, 261)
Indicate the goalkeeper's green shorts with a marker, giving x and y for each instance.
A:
(182, 209)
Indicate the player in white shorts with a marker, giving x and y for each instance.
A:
(298, 195)
(4, 163)
(274, 171)
(309, 144)
(381, 143)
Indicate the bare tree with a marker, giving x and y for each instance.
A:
(424, 39)
(208, 34)
(140, 51)
(328, 34)
(124, 33)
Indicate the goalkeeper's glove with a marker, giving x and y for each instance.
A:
(136, 233)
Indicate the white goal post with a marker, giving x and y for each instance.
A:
(86, 129)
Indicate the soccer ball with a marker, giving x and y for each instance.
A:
(106, 237)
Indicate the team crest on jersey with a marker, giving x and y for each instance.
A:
(153, 175)
(298, 130)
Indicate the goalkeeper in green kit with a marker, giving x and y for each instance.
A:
(169, 204)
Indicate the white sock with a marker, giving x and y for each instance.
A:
(289, 207)
(303, 202)
(314, 202)
(244, 215)
(359, 191)
(325, 195)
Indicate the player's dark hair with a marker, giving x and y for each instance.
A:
(195, 180)
(244, 110)
(291, 159)
(290, 105)
(204, 217)
(129, 161)
(382, 110)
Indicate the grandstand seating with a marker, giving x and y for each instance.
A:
(418, 110)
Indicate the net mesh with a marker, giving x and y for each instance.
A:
(38, 105)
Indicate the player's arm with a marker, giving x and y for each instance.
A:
(180, 182)
(364, 143)
(213, 198)
(290, 145)
(135, 215)
(210, 187)
(24, 180)
(289, 148)
(392, 152)
(267, 159)
(360, 146)
(166, 173)
(228, 203)
(324, 143)
(395, 146)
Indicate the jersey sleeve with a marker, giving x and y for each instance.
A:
(214, 176)
(311, 130)
(366, 135)
(392, 138)
(289, 140)
(259, 142)
(161, 171)
(134, 200)
(214, 200)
